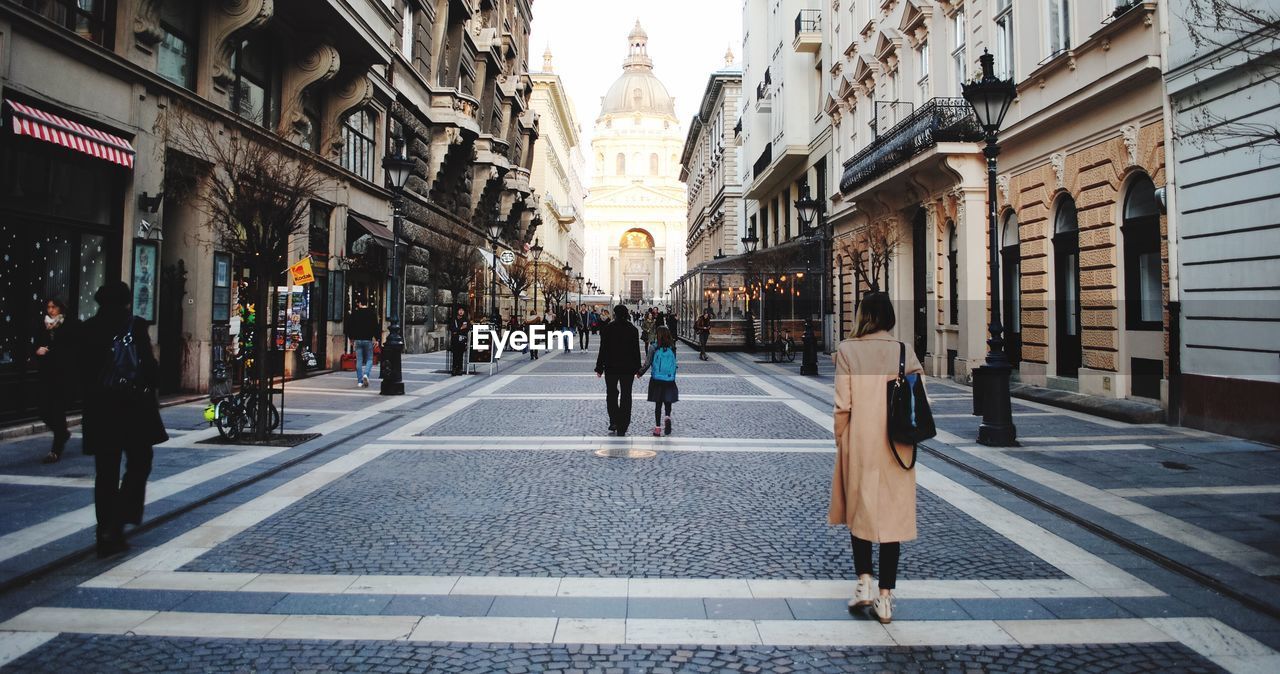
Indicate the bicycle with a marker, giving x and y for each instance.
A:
(239, 412)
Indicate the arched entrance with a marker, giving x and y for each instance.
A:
(1066, 265)
(1011, 289)
(636, 256)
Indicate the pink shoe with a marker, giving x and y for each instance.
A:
(657, 431)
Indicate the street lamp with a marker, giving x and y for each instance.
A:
(749, 243)
(579, 279)
(398, 168)
(810, 210)
(990, 98)
(495, 228)
(536, 249)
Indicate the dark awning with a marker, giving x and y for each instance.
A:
(377, 230)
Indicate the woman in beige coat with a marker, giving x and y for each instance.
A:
(870, 493)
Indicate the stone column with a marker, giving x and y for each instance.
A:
(971, 218)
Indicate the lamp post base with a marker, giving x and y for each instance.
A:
(392, 380)
(992, 389)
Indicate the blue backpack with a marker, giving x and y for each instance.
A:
(664, 364)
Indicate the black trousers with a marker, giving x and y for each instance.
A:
(118, 502)
(53, 409)
(459, 357)
(618, 398)
(584, 339)
(889, 553)
(657, 412)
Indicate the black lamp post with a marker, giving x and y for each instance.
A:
(495, 227)
(536, 249)
(398, 168)
(810, 212)
(990, 98)
(579, 278)
(749, 243)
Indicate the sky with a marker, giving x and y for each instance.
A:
(588, 41)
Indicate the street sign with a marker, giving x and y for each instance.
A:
(508, 257)
(301, 271)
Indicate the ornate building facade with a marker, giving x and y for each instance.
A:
(558, 166)
(636, 205)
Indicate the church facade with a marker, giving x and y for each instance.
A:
(635, 209)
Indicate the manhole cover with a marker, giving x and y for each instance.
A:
(624, 453)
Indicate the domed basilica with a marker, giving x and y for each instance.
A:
(635, 210)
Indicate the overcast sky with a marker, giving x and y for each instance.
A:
(588, 40)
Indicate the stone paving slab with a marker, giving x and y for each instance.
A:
(560, 513)
(1156, 468)
(588, 384)
(764, 419)
(80, 652)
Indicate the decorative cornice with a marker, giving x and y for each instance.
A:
(236, 15)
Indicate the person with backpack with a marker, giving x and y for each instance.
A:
(873, 488)
(662, 381)
(121, 412)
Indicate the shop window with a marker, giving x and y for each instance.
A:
(221, 287)
(1142, 273)
(953, 275)
(256, 92)
(358, 144)
(176, 53)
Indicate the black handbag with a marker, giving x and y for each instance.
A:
(910, 420)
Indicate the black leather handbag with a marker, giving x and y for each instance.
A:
(910, 420)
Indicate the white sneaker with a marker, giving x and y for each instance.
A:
(883, 609)
(366, 381)
(861, 594)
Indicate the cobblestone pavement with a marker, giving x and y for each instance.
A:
(470, 527)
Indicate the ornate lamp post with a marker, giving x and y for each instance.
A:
(495, 228)
(536, 249)
(579, 278)
(810, 212)
(398, 168)
(749, 243)
(990, 98)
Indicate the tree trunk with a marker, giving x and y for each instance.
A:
(264, 274)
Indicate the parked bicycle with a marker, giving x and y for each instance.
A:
(782, 348)
(235, 413)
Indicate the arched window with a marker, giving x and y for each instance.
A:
(1141, 229)
(1011, 289)
(1066, 269)
(653, 164)
(620, 165)
(953, 275)
(358, 131)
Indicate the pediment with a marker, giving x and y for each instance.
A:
(637, 195)
(915, 21)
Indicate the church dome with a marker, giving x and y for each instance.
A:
(638, 90)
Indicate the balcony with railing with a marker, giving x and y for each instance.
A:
(808, 39)
(937, 121)
(763, 161)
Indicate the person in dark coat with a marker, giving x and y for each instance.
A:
(459, 331)
(118, 422)
(54, 353)
(364, 332)
(618, 362)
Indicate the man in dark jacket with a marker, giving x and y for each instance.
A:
(459, 332)
(618, 362)
(120, 417)
(363, 330)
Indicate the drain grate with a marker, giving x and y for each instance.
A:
(624, 453)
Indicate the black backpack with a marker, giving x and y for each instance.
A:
(910, 420)
(122, 374)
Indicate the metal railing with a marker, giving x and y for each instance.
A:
(763, 162)
(809, 21)
(938, 120)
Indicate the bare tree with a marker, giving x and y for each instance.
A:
(255, 189)
(1245, 31)
(869, 250)
(554, 285)
(519, 277)
(454, 267)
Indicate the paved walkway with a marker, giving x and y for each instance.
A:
(470, 526)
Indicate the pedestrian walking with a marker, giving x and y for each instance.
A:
(364, 332)
(647, 326)
(702, 328)
(662, 381)
(121, 416)
(618, 362)
(534, 319)
(55, 346)
(459, 331)
(871, 493)
(672, 323)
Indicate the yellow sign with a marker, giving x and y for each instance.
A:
(302, 271)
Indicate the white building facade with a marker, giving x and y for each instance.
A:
(635, 210)
(557, 172)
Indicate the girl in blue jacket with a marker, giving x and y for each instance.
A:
(662, 382)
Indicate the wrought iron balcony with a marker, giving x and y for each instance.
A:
(939, 120)
(808, 37)
(763, 162)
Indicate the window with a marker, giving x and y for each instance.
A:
(311, 117)
(407, 29)
(1143, 288)
(958, 53)
(86, 18)
(221, 287)
(922, 84)
(176, 54)
(620, 165)
(953, 275)
(1004, 39)
(256, 93)
(653, 164)
(1059, 26)
(819, 88)
(358, 144)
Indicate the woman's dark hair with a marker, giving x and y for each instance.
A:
(875, 313)
(57, 302)
(663, 337)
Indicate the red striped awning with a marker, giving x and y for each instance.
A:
(29, 121)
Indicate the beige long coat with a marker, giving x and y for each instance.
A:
(870, 492)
